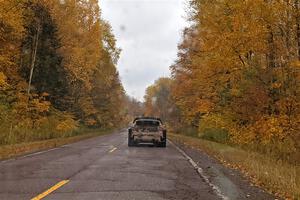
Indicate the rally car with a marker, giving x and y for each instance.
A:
(147, 130)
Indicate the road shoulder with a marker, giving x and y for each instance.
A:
(231, 182)
(16, 150)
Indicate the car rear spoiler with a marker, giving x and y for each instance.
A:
(153, 118)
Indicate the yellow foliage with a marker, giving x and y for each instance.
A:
(3, 79)
(81, 38)
(157, 102)
(214, 120)
(234, 71)
(90, 122)
(276, 85)
(80, 78)
(204, 106)
(41, 121)
(11, 32)
(40, 106)
(66, 125)
(235, 92)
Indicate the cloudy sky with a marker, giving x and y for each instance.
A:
(148, 32)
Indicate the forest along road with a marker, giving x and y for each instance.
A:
(106, 168)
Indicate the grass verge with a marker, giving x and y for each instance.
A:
(10, 151)
(277, 177)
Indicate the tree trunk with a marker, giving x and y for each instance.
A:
(288, 29)
(271, 53)
(297, 27)
(33, 58)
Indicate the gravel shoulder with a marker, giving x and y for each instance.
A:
(230, 181)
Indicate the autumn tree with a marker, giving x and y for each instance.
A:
(11, 33)
(237, 70)
(134, 108)
(159, 102)
(107, 92)
(48, 74)
(57, 69)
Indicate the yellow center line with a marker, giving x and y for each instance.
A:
(113, 150)
(50, 190)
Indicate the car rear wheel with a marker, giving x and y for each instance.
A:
(163, 142)
(130, 142)
(130, 138)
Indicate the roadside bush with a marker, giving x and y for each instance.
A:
(18, 129)
(187, 130)
(215, 134)
(68, 124)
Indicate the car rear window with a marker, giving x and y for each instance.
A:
(147, 123)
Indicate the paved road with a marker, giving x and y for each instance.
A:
(103, 168)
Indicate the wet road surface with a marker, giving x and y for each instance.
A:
(105, 168)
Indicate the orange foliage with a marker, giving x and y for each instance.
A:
(238, 70)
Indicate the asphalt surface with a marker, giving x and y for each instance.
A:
(105, 168)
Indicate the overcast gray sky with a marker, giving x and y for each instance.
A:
(148, 32)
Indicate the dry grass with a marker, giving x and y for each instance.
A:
(277, 177)
(9, 151)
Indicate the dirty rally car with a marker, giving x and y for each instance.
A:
(147, 130)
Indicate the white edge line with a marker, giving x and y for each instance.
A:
(37, 153)
(29, 155)
(5, 161)
(200, 172)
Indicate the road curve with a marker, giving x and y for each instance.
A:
(103, 168)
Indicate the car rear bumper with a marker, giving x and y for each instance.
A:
(147, 137)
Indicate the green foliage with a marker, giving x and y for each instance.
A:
(49, 74)
(216, 135)
(188, 131)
